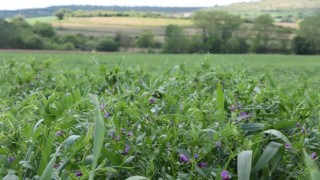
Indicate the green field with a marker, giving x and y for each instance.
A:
(77, 115)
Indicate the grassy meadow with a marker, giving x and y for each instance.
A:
(76, 115)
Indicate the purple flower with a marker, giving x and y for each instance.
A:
(314, 155)
(59, 133)
(243, 115)
(287, 146)
(232, 108)
(11, 159)
(218, 144)
(303, 130)
(118, 137)
(196, 156)
(106, 115)
(298, 124)
(203, 164)
(112, 134)
(127, 149)
(183, 158)
(225, 175)
(152, 100)
(78, 173)
(129, 133)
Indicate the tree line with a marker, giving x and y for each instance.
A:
(217, 32)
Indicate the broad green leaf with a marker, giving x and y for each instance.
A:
(269, 153)
(220, 104)
(279, 135)
(312, 166)
(244, 165)
(137, 178)
(99, 131)
(284, 125)
(129, 159)
(48, 171)
(46, 152)
(252, 127)
(277, 158)
(11, 175)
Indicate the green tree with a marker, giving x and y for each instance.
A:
(44, 30)
(107, 44)
(263, 27)
(61, 13)
(216, 26)
(123, 39)
(176, 41)
(310, 31)
(146, 39)
(7, 34)
(300, 45)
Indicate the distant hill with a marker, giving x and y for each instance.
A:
(40, 12)
(297, 9)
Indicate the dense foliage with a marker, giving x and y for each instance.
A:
(207, 122)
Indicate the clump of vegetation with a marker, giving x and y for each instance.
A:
(204, 122)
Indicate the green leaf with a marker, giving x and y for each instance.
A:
(129, 159)
(244, 165)
(312, 166)
(278, 134)
(48, 171)
(220, 104)
(277, 158)
(137, 178)
(285, 125)
(270, 151)
(252, 127)
(98, 137)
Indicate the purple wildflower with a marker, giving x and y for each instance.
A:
(314, 155)
(129, 133)
(232, 108)
(102, 106)
(203, 164)
(59, 133)
(112, 134)
(118, 137)
(287, 146)
(152, 100)
(183, 158)
(127, 149)
(218, 144)
(106, 115)
(78, 173)
(225, 175)
(243, 115)
(196, 156)
(303, 130)
(11, 159)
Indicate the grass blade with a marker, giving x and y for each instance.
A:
(220, 104)
(279, 135)
(244, 165)
(98, 137)
(48, 171)
(270, 151)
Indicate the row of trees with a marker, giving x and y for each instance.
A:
(218, 32)
(226, 33)
(18, 34)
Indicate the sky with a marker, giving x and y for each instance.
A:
(24, 4)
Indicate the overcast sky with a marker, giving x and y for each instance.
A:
(23, 4)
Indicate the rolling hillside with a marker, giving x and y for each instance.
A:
(281, 9)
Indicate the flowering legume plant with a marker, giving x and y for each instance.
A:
(208, 122)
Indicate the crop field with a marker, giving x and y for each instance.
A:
(158, 116)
